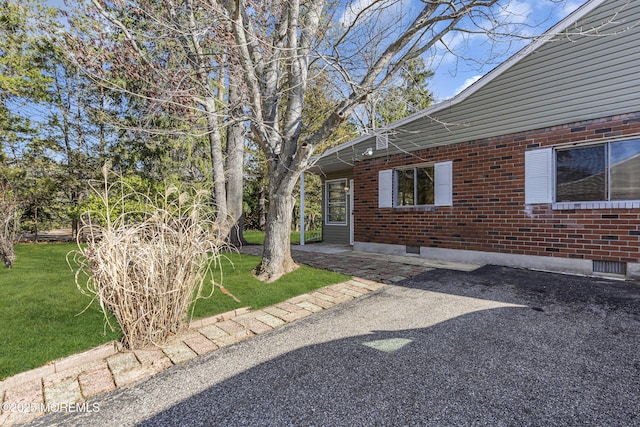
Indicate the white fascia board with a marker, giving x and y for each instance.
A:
(572, 18)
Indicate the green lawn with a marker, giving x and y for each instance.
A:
(255, 237)
(41, 316)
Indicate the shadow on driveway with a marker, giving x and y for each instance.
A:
(537, 288)
(496, 346)
(567, 356)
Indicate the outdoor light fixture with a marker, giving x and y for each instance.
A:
(368, 152)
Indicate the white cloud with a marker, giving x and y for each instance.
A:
(369, 7)
(570, 6)
(457, 45)
(548, 12)
(454, 40)
(467, 83)
(516, 12)
(352, 10)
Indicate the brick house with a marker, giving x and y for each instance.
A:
(535, 165)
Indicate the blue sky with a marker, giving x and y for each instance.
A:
(455, 72)
(452, 73)
(535, 16)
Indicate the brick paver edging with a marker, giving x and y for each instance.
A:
(64, 385)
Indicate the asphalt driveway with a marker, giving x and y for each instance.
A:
(495, 346)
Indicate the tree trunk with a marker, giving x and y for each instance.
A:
(235, 166)
(74, 228)
(276, 255)
(262, 203)
(218, 168)
(295, 221)
(35, 225)
(236, 234)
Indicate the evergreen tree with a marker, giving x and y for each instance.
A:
(22, 82)
(405, 96)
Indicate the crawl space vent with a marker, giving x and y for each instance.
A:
(412, 249)
(610, 267)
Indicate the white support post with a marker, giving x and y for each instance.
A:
(302, 209)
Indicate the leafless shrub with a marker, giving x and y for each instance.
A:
(148, 267)
(9, 219)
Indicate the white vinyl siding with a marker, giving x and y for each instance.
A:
(538, 176)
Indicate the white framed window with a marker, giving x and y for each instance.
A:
(336, 192)
(588, 175)
(416, 185)
(602, 172)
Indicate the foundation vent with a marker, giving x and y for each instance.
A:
(412, 249)
(610, 267)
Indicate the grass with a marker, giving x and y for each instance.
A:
(41, 310)
(256, 237)
(237, 279)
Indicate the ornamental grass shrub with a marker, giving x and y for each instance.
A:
(148, 267)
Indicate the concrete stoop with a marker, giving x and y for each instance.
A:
(64, 385)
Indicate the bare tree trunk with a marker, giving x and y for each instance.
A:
(74, 228)
(277, 54)
(35, 225)
(235, 165)
(236, 234)
(262, 203)
(9, 208)
(295, 220)
(218, 169)
(276, 255)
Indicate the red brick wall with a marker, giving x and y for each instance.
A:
(489, 213)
